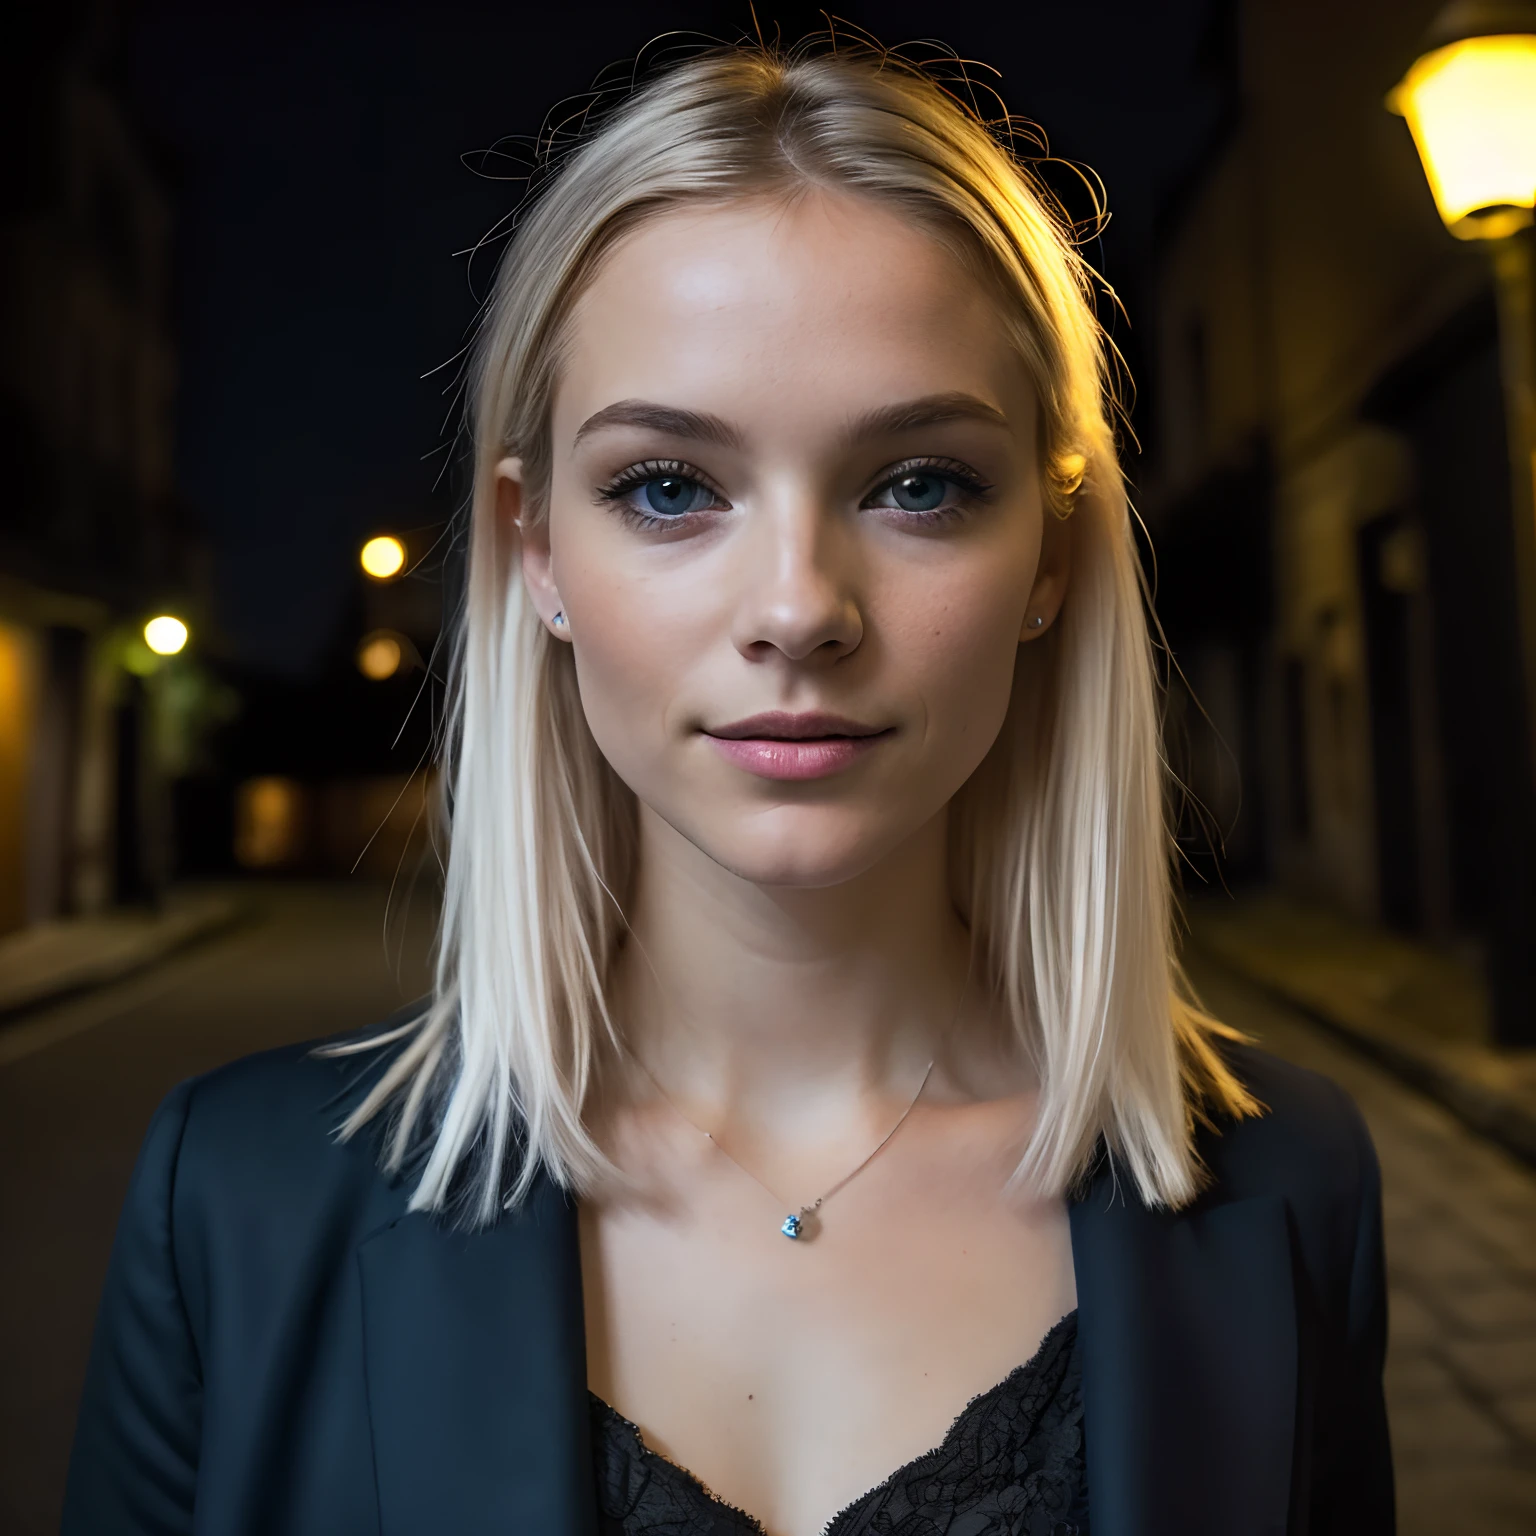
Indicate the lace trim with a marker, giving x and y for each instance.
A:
(669, 1492)
(1006, 1464)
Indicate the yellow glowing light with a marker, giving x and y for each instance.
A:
(383, 557)
(269, 823)
(1471, 107)
(379, 656)
(165, 635)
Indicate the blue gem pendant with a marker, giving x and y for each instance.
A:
(801, 1224)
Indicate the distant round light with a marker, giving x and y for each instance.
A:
(378, 657)
(383, 557)
(165, 635)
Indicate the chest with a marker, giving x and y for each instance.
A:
(476, 1352)
(791, 1376)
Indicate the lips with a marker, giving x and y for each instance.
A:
(778, 745)
(777, 725)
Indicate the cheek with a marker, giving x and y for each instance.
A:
(637, 636)
(955, 642)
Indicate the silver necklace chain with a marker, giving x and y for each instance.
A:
(797, 1224)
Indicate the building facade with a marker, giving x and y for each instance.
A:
(92, 538)
(1329, 496)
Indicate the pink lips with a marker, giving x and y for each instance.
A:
(778, 745)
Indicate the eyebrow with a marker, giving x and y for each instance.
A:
(670, 420)
(929, 411)
(884, 421)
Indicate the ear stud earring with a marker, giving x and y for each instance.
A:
(559, 621)
(1036, 620)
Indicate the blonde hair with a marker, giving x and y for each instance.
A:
(1061, 855)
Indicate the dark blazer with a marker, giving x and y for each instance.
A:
(282, 1349)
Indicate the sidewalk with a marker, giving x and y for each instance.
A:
(53, 960)
(1421, 1013)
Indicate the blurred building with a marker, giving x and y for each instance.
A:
(1330, 501)
(92, 537)
(331, 773)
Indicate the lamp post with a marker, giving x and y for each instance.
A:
(1470, 102)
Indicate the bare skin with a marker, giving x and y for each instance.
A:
(795, 959)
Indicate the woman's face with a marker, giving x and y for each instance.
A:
(795, 528)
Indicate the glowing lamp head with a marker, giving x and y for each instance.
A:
(379, 656)
(1471, 107)
(383, 557)
(165, 635)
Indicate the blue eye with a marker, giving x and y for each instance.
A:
(931, 491)
(658, 491)
(674, 496)
(920, 492)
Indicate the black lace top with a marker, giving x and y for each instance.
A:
(1011, 1465)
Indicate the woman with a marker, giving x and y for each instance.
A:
(809, 1090)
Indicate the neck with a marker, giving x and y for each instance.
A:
(761, 1004)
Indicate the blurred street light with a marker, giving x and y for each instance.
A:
(269, 823)
(379, 655)
(1471, 107)
(165, 635)
(1470, 103)
(383, 557)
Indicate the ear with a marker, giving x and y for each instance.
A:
(532, 543)
(1051, 575)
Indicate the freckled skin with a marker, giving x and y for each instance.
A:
(796, 960)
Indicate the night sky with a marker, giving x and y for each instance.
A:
(321, 198)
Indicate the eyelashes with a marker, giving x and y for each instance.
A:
(662, 493)
(917, 478)
(670, 492)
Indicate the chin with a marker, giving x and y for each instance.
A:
(795, 847)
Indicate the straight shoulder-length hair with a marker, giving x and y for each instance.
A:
(1060, 852)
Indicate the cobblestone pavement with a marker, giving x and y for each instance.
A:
(1461, 1259)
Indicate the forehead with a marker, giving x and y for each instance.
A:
(826, 300)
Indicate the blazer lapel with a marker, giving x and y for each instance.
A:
(476, 1362)
(1187, 1328)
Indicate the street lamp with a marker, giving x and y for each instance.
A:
(382, 557)
(1470, 102)
(165, 635)
(379, 655)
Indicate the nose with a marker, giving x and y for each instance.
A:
(797, 586)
